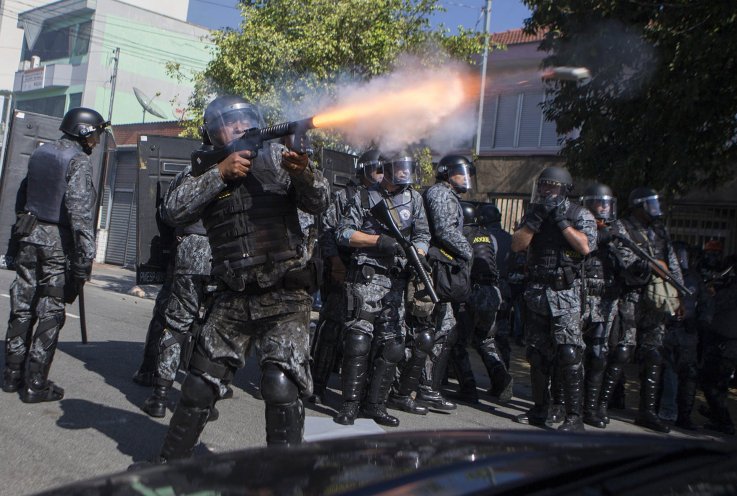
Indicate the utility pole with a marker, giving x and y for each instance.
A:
(487, 36)
(106, 155)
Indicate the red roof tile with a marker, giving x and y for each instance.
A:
(127, 134)
(516, 37)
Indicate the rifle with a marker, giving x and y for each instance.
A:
(654, 264)
(382, 213)
(82, 315)
(251, 141)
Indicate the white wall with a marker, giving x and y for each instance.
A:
(172, 8)
(11, 37)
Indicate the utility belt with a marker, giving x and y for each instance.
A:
(364, 273)
(560, 279)
(600, 287)
(308, 278)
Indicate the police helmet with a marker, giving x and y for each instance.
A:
(400, 170)
(369, 164)
(227, 118)
(82, 122)
(600, 201)
(469, 213)
(488, 213)
(555, 182)
(646, 199)
(458, 171)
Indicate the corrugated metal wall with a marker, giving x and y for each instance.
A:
(121, 244)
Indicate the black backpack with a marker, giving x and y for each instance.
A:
(451, 276)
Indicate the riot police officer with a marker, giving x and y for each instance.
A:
(190, 278)
(325, 348)
(56, 226)
(261, 260)
(602, 288)
(454, 176)
(477, 316)
(377, 284)
(643, 319)
(559, 233)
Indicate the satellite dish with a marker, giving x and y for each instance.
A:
(147, 105)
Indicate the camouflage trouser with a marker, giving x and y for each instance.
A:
(157, 324)
(444, 338)
(641, 324)
(599, 310)
(553, 318)
(36, 295)
(275, 323)
(182, 310)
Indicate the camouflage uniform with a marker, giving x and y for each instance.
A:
(503, 333)
(329, 334)
(445, 215)
(377, 283)
(477, 321)
(641, 323)
(553, 310)
(37, 293)
(262, 262)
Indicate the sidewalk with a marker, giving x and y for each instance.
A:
(121, 280)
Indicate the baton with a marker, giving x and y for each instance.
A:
(82, 316)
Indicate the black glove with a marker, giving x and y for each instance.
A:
(82, 270)
(388, 245)
(425, 264)
(605, 235)
(535, 216)
(558, 215)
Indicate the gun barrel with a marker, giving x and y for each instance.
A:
(286, 128)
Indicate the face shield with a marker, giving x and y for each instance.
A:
(544, 189)
(400, 172)
(462, 177)
(228, 121)
(372, 171)
(650, 205)
(604, 207)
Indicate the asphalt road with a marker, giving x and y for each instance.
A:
(98, 427)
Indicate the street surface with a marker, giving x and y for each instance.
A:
(98, 427)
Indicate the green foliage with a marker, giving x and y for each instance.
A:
(288, 51)
(661, 107)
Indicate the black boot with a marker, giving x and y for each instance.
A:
(591, 404)
(649, 385)
(540, 386)
(285, 424)
(323, 360)
(144, 378)
(406, 404)
(608, 384)
(572, 378)
(12, 378)
(685, 400)
(184, 430)
(37, 387)
(502, 384)
(347, 413)
(155, 405)
(461, 366)
(356, 347)
(374, 406)
(434, 400)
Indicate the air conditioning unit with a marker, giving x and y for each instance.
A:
(35, 61)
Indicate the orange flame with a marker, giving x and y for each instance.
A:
(443, 94)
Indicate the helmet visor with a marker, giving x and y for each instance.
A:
(223, 125)
(400, 172)
(372, 171)
(462, 177)
(545, 189)
(603, 207)
(651, 206)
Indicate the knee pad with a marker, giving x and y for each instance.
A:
(393, 351)
(424, 340)
(197, 392)
(276, 386)
(568, 354)
(621, 354)
(357, 344)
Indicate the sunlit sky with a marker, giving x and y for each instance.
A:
(505, 14)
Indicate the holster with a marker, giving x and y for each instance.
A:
(25, 222)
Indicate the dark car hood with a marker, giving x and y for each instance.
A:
(442, 462)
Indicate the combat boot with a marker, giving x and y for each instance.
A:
(185, 428)
(374, 406)
(608, 384)
(406, 404)
(461, 365)
(12, 379)
(155, 405)
(648, 416)
(347, 413)
(434, 400)
(572, 423)
(144, 378)
(502, 385)
(686, 397)
(37, 387)
(285, 423)
(537, 415)
(377, 412)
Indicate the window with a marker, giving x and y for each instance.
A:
(516, 122)
(53, 105)
(75, 100)
(61, 43)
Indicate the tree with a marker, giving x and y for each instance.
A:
(661, 106)
(286, 52)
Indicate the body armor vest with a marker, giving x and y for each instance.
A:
(196, 228)
(253, 221)
(47, 183)
(400, 208)
(484, 269)
(599, 266)
(549, 250)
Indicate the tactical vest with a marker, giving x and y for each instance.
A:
(196, 228)
(484, 269)
(47, 182)
(253, 221)
(549, 250)
(400, 208)
(600, 270)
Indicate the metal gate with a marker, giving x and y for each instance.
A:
(121, 241)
